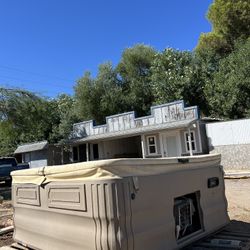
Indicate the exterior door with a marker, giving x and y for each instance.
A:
(171, 145)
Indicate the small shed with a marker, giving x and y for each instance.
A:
(39, 154)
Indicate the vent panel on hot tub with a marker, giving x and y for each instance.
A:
(28, 195)
(69, 197)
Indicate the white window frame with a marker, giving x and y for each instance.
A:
(150, 145)
(186, 141)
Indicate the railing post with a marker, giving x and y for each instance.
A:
(190, 143)
(143, 146)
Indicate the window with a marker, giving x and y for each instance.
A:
(152, 149)
(193, 141)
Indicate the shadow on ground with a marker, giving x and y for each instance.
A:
(237, 225)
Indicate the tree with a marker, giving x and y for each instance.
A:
(8, 137)
(231, 22)
(99, 97)
(205, 65)
(26, 117)
(109, 89)
(179, 75)
(23, 118)
(170, 73)
(229, 93)
(64, 116)
(134, 71)
(83, 97)
(213, 43)
(26, 111)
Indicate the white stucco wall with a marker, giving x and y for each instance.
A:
(231, 139)
(228, 133)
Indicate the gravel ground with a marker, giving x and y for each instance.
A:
(237, 193)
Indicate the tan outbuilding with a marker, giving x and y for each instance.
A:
(132, 204)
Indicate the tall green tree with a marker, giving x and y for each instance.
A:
(63, 114)
(23, 118)
(134, 71)
(26, 117)
(229, 93)
(84, 105)
(179, 75)
(8, 138)
(230, 21)
(96, 98)
(170, 73)
(25, 111)
(109, 88)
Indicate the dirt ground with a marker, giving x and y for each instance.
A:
(238, 196)
(237, 193)
(6, 212)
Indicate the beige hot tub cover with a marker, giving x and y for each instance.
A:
(114, 168)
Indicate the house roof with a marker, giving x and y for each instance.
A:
(165, 116)
(30, 147)
(137, 131)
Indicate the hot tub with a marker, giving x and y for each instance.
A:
(119, 204)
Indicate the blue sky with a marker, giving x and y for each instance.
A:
(46, 45)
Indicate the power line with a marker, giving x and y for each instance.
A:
(34, 73)
(35, 82)
(20, 89)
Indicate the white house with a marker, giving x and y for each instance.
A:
(171, 130)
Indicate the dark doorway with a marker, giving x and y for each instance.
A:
(82, 152)
(75, 154)
(95, 152)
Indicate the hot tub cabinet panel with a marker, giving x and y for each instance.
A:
(161, 209)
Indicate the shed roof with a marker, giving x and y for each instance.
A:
(30, 147)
